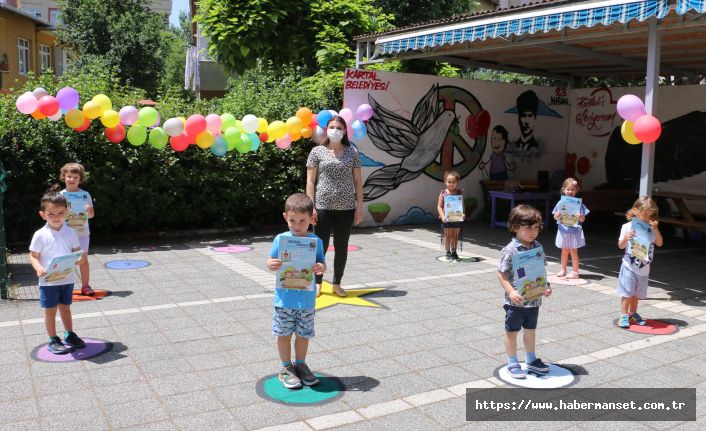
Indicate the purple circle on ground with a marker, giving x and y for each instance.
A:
(232, 249)
(126, 264)
(93, 348)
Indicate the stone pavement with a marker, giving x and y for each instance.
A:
(191, 336)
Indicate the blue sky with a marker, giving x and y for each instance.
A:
(178, 5)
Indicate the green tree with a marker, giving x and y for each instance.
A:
(315, 33)
(127, 34)
(408, 12)
(176, 39)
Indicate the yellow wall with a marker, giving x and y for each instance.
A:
(12, 27)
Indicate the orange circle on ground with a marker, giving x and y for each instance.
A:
(98, 295)
(653, 327)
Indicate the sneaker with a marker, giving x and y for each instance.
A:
(454, 256)
(307, 377)
(624, 322)
(448, 256)
(288, 377)
(56, 347)
(538, 366)
(516, 371)
(636, 319)
(87, 291)
(73, 341)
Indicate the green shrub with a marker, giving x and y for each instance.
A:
(142, 189)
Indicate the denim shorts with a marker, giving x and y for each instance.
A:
(631, 284)
(520, 317)
(288, 320)
(51, 296)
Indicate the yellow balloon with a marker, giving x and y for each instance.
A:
(74, 118)
(294, 126)
(261, 125)
(628, 134)
(103, 101)
(276, 129)
(92, 110)
(204, 139)
(110, 119)
(306, 132)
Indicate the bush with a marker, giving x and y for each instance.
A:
(142, 189)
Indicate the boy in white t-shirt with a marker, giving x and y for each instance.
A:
(53, 240)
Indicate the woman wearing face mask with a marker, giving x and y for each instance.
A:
(334, 183)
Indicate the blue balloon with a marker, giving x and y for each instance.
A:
(359, 129)
(323, 117)
(219, 147)
(254, 141)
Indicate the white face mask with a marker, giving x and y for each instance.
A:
(334, 134)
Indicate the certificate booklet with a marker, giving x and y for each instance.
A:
(77, 217)
(530, 275)
(298, 255)
(453, 208)
(60, 267)
(568, 208)
(640, 242)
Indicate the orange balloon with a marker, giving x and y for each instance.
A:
(296, 136)
(306, 132)
(305, 115)
(38, 115)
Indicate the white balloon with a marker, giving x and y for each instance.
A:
(250, 123)
(55, 117)
(173, 127)
(39, 92)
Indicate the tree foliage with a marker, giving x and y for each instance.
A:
(127, 35)
(315, 33)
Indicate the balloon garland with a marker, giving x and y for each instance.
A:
(638, 126)
(217, 133)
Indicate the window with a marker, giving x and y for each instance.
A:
(34, 11)
(44, 57)
(23, 47)
(54, 16)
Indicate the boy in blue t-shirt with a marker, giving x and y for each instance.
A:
(294, 308)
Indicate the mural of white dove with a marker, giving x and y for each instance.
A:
(416, 142)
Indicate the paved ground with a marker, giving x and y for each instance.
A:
(192, 337)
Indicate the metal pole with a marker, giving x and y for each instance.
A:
(3, 246)
(651, 88)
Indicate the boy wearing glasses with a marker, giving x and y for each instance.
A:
(53, 240)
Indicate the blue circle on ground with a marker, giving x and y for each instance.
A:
(127, 264)
(328, 389)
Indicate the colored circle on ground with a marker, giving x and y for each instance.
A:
(232, 249)
(122, 265)
(98, 294)
(651, 327)
(553, 279)
(94, 347)
(557, 377)
(350, 248)
(328, 389)
(463, 258)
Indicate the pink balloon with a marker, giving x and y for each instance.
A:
(195, 124)
(347, 114)
(213, 124)
(630, 107)
(364, 112)
(179, 143)
(284, 142)
(48, 105)
(647, 129)
(27, 103)
(128, 115)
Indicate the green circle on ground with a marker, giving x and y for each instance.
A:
(327, 390)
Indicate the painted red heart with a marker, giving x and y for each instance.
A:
(482, 122)
(570, 165)
(471, 127)
(583, 165)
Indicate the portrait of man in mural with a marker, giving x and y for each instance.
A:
(527, 105)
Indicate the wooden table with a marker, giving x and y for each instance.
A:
(514, 198)
(686, 218)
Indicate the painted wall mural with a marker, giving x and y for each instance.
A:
(425, 125)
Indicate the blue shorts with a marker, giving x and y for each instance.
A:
(520, 317)
(51, 296)
(631, 284)
(288, 320)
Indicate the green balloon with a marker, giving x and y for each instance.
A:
(227, 121)
(147, 116)
(232, 137)
(158, 138)
(137, 135)
(243, 146)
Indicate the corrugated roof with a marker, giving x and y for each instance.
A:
(468, 17)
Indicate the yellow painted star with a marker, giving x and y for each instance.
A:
(353, 297)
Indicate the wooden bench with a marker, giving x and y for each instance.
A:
(608, 201)
(697, 225)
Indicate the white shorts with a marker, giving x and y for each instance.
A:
(83, 241)
(631, 284)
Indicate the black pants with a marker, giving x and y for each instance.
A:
(341, 223)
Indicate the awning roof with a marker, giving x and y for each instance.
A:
(588, 38)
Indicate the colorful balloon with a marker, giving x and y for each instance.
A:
(219, 147)
(262, 125)
(647, 129)
(128, 115)
(195, 124)
(359, 129)
(306, 132)
(232, 137)
(276, 129)
(92, 110)
(158, 138)
(630, 107)
(364, 112)
(147, 116)
(628, 134)
(39, 92)
(204, 139)
(103, 101)
(116, 134)
(74, 118)
(284, 142)
(179, 143)
(264, 137)
(86, 124)
(27, 103)
(68, 98)
(55, 117)
(137, 135)
(346, 114)
(227, 121)
(110, 118)
(213, 124)
(174, 127)
(250, 123)
(294, 125)
(243, 145)
(48, 105)
(305, 115)
(37, 115)
(323, 117)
